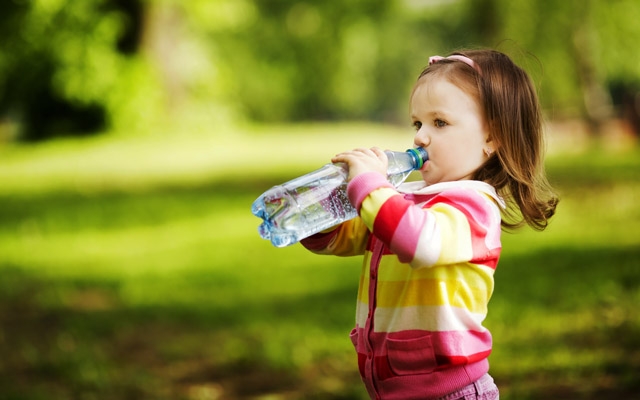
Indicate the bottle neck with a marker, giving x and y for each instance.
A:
(419, 156)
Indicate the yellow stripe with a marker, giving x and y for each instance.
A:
(363, 288)
(464, 285)
(350, 239)
(430, 292)
(455, 234)
(392, 270)
(371, 204)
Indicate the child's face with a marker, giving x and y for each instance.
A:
(450, 126)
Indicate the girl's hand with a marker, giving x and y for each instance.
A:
(363, 160)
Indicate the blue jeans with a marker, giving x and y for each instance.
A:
(482, 389)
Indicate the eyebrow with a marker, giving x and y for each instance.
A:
(433, 114)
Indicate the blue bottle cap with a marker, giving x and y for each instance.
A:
(420, 156)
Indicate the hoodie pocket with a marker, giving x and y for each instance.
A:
(411, 356)
(354, 337)
(361, 357)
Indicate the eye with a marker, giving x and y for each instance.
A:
(417, 125)
(438, 123)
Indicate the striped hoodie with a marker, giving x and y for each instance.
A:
(430, 253)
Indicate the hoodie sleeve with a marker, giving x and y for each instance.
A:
(347, 239)
(454, 226)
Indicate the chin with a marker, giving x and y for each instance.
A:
(429, 181)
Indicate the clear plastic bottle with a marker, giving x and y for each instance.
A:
(318, 200)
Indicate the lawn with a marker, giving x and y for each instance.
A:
(132, 269)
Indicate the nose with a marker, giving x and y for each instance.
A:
(421, 139)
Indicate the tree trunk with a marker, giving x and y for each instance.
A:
(596, 106)
(161, 40)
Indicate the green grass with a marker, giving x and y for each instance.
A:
(132, 269)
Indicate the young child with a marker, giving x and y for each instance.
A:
(431, 248)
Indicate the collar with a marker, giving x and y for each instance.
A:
(421, 188)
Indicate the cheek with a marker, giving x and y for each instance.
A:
(455, 154)
(456, 161)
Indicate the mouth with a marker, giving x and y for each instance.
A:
(425, 166)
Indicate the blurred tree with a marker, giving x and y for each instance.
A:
(68, 67)
(299, 60)
(77, 67)
(57, 61)
(583, 46)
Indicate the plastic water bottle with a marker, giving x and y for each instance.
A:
(318, 200)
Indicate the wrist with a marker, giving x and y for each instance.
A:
(363, 184)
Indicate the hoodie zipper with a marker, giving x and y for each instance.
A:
(376, 256)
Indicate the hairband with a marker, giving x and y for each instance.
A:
(466, 60)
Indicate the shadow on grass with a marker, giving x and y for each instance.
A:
(575, 310)
(78, 338)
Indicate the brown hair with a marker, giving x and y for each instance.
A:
(512, 112)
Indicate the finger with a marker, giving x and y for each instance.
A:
(362, 150)
(350, 153)
(342, 157)
(380, 154)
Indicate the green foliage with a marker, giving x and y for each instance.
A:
(69, 67)
(310, 60)
(565, 35)
(146, 278)
(57, 57)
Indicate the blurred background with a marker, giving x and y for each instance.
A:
(134, 135)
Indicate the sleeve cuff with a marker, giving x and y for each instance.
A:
(320, 240)
(362, 185)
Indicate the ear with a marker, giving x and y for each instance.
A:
(489, 148)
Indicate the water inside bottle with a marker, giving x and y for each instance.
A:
(291, 213)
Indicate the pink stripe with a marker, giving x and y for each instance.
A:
(407, 234)
(448, 348)
(448, 343)
(362, 185)
(480, 222)
(463, 360)
(389, 216)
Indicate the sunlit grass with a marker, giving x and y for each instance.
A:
(144, 162)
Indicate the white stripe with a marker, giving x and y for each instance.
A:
(420, 187)
(429, 244)
(428, 318)
(362, 310)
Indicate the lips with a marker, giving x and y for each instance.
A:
(425, 166)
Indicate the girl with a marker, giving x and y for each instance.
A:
(431, 248)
